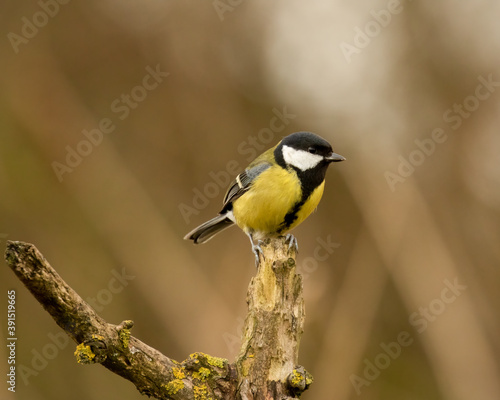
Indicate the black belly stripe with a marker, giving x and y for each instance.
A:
(309, 181)
(290, 217)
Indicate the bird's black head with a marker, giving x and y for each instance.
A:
(305, 151)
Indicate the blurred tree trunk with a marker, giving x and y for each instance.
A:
(265, 369)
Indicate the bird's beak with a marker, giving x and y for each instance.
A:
(334, 157)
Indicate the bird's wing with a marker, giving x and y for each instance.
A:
(243, 182)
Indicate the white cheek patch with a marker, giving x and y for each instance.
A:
(300, 159)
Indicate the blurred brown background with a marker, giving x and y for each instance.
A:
(404, 245)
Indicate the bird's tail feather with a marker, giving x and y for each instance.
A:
(209, 229)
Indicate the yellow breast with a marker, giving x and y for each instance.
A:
(273, 195)
(309, 206)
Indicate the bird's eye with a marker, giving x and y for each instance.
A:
(311, 150)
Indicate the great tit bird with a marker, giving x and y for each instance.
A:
(275, 193)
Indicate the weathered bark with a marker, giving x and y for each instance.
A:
(267, 364)
(266, 367)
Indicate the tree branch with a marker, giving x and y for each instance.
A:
(267, 363)
(266, 367)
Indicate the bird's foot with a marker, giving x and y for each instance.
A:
(292, 242)
(256, 249)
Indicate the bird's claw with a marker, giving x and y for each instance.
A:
(256, 249)
(292, 242)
